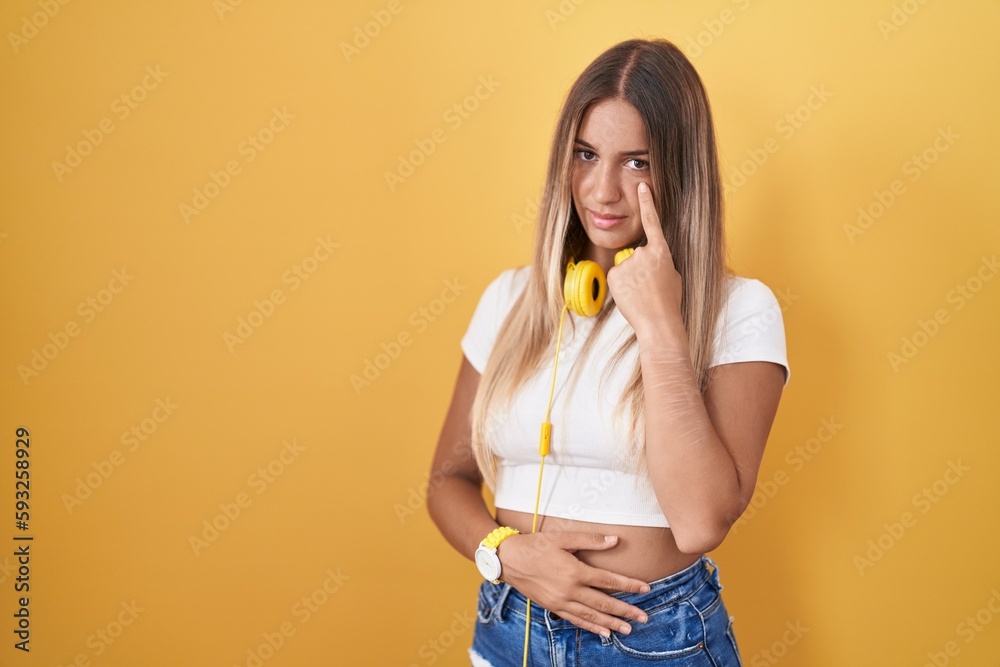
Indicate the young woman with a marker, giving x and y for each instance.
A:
(661, 397)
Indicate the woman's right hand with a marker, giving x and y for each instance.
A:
(543, 568)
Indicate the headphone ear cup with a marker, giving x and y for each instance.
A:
(623, 254)
(585, 287)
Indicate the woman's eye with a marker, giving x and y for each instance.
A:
(642, 164)
(586, 155)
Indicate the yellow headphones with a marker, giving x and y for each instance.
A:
(586, 286)
(584, 290)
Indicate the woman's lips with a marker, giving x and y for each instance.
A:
(602, 222)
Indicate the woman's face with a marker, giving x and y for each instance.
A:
(610, 159)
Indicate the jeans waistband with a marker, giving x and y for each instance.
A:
(673, 587)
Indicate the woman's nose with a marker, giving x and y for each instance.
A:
(607, 187)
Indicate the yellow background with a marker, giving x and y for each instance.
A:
(341, 503)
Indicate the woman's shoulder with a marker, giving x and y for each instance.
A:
(518, 274)
(751, 325)
(504, 288)
(746, 294)
(511, 281)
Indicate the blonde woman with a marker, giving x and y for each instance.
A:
(660, 401)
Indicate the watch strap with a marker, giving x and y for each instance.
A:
(498, 535)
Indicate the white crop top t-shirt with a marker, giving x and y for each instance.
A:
(583, 478)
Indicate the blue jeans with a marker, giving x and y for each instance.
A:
(688, 626)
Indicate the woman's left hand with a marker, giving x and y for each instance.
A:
(647, 287)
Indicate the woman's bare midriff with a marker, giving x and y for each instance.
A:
(643, 552)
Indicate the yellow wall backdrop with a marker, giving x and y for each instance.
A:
(230, 338)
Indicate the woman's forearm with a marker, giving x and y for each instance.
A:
(693, 475)
(457, 507)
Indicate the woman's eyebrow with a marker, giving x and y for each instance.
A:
(623, 153)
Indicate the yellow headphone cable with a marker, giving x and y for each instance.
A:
(584, 290)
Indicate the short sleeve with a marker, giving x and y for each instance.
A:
(495, 301)
(750, 326)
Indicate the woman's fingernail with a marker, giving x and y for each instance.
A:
(644, 619)
(610, 538)
(605, 633)
(643, 187)
(645, 588)
(624, 629)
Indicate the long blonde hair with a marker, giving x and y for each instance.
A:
(655, 77)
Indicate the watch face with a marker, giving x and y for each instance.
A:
(488, 563)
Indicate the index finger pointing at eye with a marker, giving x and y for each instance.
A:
(647, 213)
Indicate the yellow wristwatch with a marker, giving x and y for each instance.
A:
(486, 555)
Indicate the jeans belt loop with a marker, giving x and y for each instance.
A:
(501, 601)
(715, 571)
